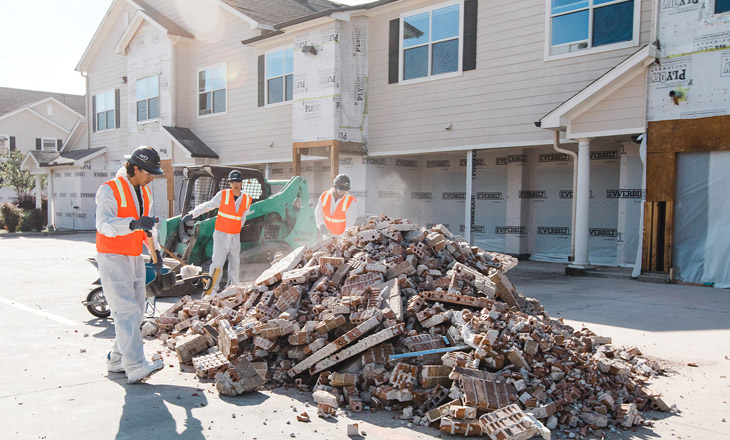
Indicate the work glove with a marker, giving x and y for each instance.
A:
(144, 223)
(322, 229)
(186, 218)
(158, 265)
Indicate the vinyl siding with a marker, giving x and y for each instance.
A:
(26, 127)
(512, 87)
(61, 115)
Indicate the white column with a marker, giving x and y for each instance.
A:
(51, 202)
(469, 203)
(38, 192)
(582, 199)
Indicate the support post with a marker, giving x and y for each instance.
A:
(38, 192)
(471, 174)
(296, 160)
(583, 196)
(334, 160)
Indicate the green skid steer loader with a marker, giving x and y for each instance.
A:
(279, 220)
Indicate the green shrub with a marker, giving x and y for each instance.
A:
(34, 220)
(11, 216)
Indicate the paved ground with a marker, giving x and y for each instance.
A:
(54, 384)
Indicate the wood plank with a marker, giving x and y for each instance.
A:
(668, 236)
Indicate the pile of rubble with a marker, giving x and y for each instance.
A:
(396, 316)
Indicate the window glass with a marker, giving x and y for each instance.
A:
(49, 145)
(211, 91)
(445, 57)
(275, 64)
(219, 101)
(279, 78)
(570, 27)
(101, 121)
(141, 89)
(722, 6)
(562, 6)
(415, 29)
(415, 63)
(289, 87)
(613, 23)
(445, 23)
(154, 108)
(142, 110)
(276, 90)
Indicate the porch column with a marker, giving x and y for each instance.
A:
(51, 202)
(38, 192)
(582, 199)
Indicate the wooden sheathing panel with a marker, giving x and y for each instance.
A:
(661, 177)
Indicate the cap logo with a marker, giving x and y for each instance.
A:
(143, 157)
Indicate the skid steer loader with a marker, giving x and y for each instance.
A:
(280, 218)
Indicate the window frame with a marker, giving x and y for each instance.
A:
(266, 77)
(136, 101)
(634, 42)
(460, 39)
(212, 114)
(7, 142)
(53, 141)
(113, 110)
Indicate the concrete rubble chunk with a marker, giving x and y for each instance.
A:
(238, 378)
(510, 423)
(189, 347)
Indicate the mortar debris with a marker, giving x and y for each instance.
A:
(394, 315)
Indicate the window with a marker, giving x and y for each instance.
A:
(48, 144)
(280, 76)
(722, 6)
(212, 84)
(430, 42)
(105, 105)
(148, 98)
(583, 24)
(4, 143)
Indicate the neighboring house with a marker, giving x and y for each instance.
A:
(41, 123)
(439, 110)
(688, 147)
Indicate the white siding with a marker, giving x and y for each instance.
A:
(512, 87)
(243, 134)
(61, 115)
(623, 110)
(26, 127)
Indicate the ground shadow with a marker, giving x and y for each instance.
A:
(106, 327)
(146, 415)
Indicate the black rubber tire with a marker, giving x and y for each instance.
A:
(100, 311)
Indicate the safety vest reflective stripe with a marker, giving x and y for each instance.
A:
(335, 221)
(229, 219)
(123, 203)
(232, 217)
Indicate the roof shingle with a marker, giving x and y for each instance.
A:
(271, 12)
(13, 99)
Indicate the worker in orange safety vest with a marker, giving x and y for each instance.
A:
(232, 207)
(123, 207)
(335, 211)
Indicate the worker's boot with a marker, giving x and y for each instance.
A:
(144, 371)
(114, 363)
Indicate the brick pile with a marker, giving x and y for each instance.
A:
(397, 316)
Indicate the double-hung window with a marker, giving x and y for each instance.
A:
(280, 76)
(48, 144)
(212, 85)
(722, 6)
(577, 25)
(430, 42)
(148, 98)
(105, 105)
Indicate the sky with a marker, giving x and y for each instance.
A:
(41, 41)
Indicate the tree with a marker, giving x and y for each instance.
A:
(12, 176)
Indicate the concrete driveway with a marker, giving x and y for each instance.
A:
(54, 383)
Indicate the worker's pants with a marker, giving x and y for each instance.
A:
(123, 282)
(226, 246)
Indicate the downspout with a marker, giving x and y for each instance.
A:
(88, 109)
(556, 147)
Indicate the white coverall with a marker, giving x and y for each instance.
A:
(224, 245)
(122, 277)
(350, 216)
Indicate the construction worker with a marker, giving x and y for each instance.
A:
(123, 207)
(334, 213)
(232, 207)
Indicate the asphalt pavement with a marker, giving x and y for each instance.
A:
(54, 383)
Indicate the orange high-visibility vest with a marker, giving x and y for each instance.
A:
(336, 223)
(130, 244)
(228, 220)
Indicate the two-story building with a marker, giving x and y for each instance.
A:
(440, 111)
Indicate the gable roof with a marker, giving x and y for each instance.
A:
(13, 99)
(147, 13)
(187, 140)
(271, 12)
(54, 158)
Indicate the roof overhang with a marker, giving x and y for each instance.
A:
(559, 118)
(251, 22)
(191, 144)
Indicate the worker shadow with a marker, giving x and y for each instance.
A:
(146, 414)
(105, 327)
(247, 399)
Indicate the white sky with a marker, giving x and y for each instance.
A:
(41, 41)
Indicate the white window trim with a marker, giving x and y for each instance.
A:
(429, 77)
(266, 79)
(197, 92)
(96, 120)
(55, 146)
(634, 42)
(157, 119)
(7, 142)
